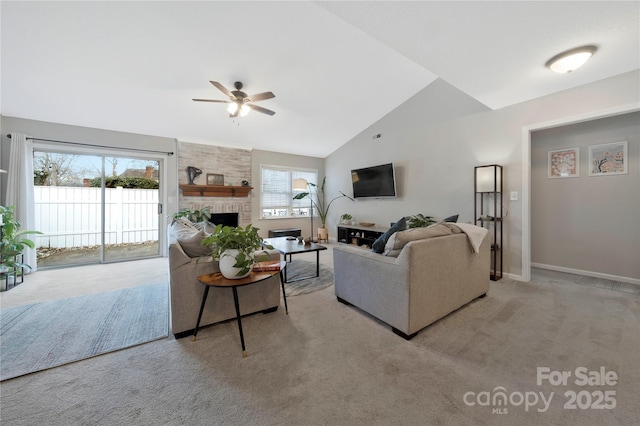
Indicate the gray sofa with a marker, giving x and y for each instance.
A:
(430, 277)
(186, 291)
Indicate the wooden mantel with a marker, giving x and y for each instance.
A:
(215, 190)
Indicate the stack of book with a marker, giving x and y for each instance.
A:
(267, 265)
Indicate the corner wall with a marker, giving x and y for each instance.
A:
(435, 153)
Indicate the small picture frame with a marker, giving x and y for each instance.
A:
(563, 163)
(609, 159)
(215, 179)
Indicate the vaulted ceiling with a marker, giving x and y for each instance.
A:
(335, 67)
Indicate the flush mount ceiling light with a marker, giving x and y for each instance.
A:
(571, 60)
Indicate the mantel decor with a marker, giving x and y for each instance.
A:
(215, 179)
(192, 173)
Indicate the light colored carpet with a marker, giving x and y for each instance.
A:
(43, 335)
(330, 364)
(303, 268)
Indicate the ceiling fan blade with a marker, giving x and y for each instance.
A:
(261, 96)
(210, 100)
(222, 89)
(260, 109)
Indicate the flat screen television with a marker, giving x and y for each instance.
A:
(374, 182)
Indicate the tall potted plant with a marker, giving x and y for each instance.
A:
(13, 241)
(235, 248)
(320, 204)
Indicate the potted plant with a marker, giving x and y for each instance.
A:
(345, 219)
(194, 216)
(13, 241)
(419, 221)
(320, 205)
(235, 248)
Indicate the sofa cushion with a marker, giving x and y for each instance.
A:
(378, 245)
(189, 237)
(400, 239)
(205, 226)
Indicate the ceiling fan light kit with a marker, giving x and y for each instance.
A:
(239, 102)
(571, 60)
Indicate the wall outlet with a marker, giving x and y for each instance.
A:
(514, 195)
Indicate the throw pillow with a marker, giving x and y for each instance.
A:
(192, 245)
(402, 238)
(189, 238)
(206, 227)
(380, 243)
(182, 228)
(452, 219)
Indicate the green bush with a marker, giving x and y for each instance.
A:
(125, 182)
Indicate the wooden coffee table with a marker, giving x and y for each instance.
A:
(218, 280)
(288, 246)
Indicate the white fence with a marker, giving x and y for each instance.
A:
(71, 216)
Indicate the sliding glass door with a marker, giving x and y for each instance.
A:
(95, 208)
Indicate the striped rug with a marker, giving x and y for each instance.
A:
(302, 268)
(44, 335)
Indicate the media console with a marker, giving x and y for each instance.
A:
(359, 235)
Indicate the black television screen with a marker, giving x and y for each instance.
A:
(374, 182)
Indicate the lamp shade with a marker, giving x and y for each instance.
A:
(300, 184)
(489, 178)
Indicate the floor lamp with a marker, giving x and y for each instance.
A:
(301, 185)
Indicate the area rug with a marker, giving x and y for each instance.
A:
(302, 268)
(43, 335)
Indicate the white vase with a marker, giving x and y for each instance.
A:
(227, 260)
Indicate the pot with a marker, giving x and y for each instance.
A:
(323, 234)
(227, 260)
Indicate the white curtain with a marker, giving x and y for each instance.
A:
(20, 188)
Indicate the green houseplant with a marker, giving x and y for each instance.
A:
(236, 249)
(13, 241)
(194, 216)
(320, 204)
(346, 218)
(419, 221)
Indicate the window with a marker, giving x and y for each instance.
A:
(276, 200)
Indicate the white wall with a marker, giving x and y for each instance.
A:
(587, 224)
(438, 136)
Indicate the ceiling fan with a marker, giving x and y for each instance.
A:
(239, 102)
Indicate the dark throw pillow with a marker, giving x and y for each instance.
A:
(452, 219)
(378, 245)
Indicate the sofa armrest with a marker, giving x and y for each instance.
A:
(375, 283)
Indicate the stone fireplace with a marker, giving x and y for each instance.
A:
(235, 166)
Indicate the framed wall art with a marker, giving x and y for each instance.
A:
(563, 163)
(609, 159)
(215, 179)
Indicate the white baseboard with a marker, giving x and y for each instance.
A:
(587, 273)
(513, 276)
